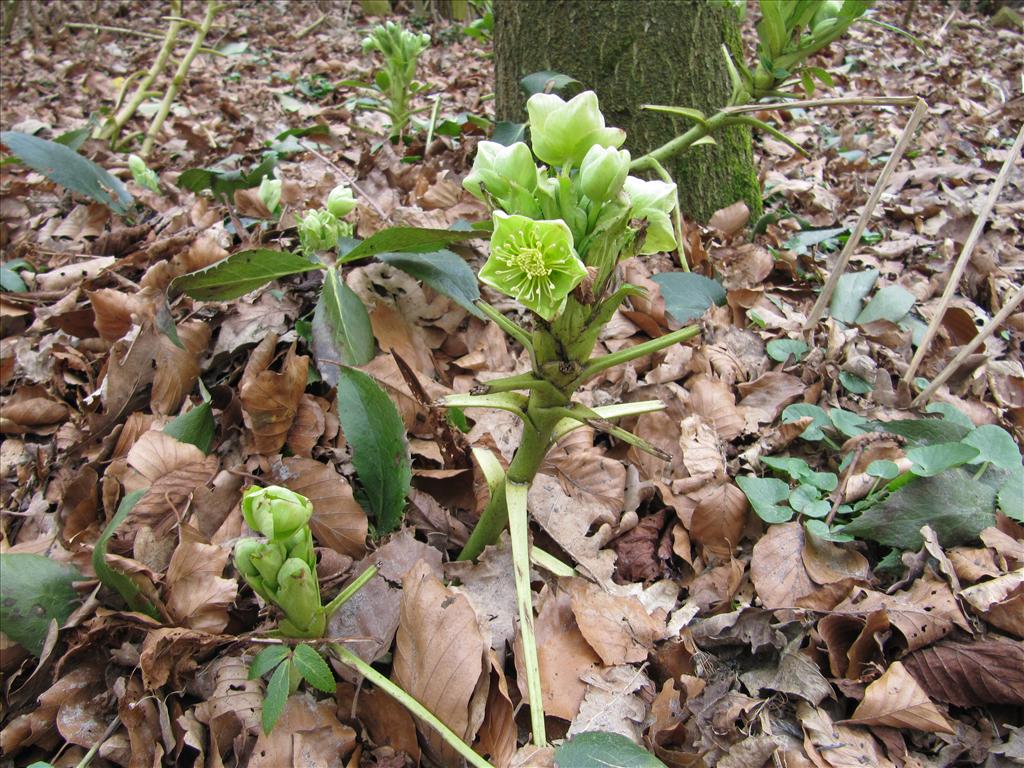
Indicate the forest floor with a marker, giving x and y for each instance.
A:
(704, 629)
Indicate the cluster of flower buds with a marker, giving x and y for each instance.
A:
(142, 174)
(321, 229)
(270, 193)
(553, 221)
(281, 567)
(400, 48)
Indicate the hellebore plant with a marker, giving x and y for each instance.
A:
(321, 229)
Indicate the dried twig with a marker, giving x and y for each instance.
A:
(883, 179)
(964, 258)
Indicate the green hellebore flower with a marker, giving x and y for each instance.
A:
(142, 174)
(496, 167)
(298, 595)
(270, 193)
(276, 512)
(320, 230)
(654, 201)
(562, 132)
(534, 262)
(341, 202)
(602, 172)
(244, 550)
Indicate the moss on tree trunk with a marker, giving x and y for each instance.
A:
(634, 52)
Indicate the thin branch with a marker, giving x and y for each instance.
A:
(119, 30)
(965, 257)
(846, 101)
(883, 179)
(305, 31)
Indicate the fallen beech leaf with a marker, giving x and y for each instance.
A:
(618, 628)
(986, 671)
(308, 733)
(177, 369)
(777, 569)
(770, 394)
(115, 311)
(197, 596)
(388, 722)
(896, 699)
(834, 745)
(614, 702)
(715, 402)
(438, 631)
(853, 642)
(497, 738)
(719, 519)
(827, 563)
(270, 400)
(1000, 601)
(307, 428)
(491, 589)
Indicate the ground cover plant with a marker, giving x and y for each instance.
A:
(275, 388)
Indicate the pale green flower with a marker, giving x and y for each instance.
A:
(534, 262)
(496, 168)
(270, 193)
(562, 132)
(142, 174)
(276, 512)
(320, 230)
(655, 202)
(341, 201)
(602, 172)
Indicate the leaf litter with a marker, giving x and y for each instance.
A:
(691, 628)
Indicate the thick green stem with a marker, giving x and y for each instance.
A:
(345, 656)
(603, 363)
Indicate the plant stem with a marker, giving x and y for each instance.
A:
(677, 218)
(346, 594)
(346, 656)
(212, 6)
(112, 130)
(119, 30)
(603, 363)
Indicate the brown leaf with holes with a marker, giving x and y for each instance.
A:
(896, 699)
(719, 519)
(177, 369)
(440, 659)
(197, 597)
(270, 399)
(987, 671)
(338, 521)
(777, 569)
(618, 628)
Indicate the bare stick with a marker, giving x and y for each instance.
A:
(883, 179)
(988, 329)
(311, 27)
(847, 101)
(965, 257)
(119, 30)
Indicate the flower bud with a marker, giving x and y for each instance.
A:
(562, 132)
(275, 512)
(655, 202)
(320, 231)
(300, 545)
(244, 550)
(298, 595)
(142, 174)
(603, 172)
(270, 193)
(341, 201)
(501, 170)
(267, 559)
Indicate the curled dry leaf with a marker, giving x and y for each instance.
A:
(618, 628)
(854, 642)
(986, 671)
(177, 369)
(438, 631)
(31, 409)
(270, 400)
(115, 311)
(497, 738)
(719, 519)
(777, 569)
(770, 393)
(832, 745)
(896, 699)
(827, 563)
(388, 722)
(1000, 601)
(197, 597)
(338, 521)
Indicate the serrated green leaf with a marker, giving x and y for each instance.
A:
(597, 749)
(267, 659)
(688, 295)
(764, 495)
(930, 460)
(994, 445)
(380, 455)
(112, 578)
(241, 273)
(66, 167)
(277, 696)
(34, 590)
(407, 240)
(848, 298)
(313, 668)
(781, 350)
(341, 328)
(891, 303)
(196, 427)
(445, 272)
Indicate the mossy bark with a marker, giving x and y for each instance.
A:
(635, 52)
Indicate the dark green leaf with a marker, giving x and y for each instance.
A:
(994, 445)
(196, 427)
(951, 413)
(69, 169)
(313, 668)
(507, 133)
(891, 303)
(341, 328)
(224, 182)
(782, 349)
(848, 422)
(406, 240)
(11, 280)
(597, 749)
(444, 271)
(954, 504)
(267, 659)
(821, 529)
(76, 138)
(799, 410)
(380, 455)
(922, 431)
(114, 579)
(546, 81)
(804, 239)
(241, 273)
(930, 460)
(688, 295)
(34, 590)
(849, 295)
(764, 495)
(277, 696)
(854, 383)
(1011, 495)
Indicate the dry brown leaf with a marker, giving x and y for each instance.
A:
(589, 475)
(777, 569)
(177, 369)
(896, 699)
(115, 311)
(338, 521)
(490, 587)
(719, 519)
(307, 428)
(30, 408)
(308, 734)
(270, 400)
(854, 642)
(700, 448)
(197, 597)
(497, 738)
(388, 722)
(614, 702)
(714, 401)
(618, 628)
(769, 394)
(973, 563)
(827, 563)
(1000, 601)
(439, 659)
(832, 745)
(986, 671)
(172, 655)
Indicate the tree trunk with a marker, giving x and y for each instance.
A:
(634, 52)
